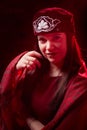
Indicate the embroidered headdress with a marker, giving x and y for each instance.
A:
(53, 20)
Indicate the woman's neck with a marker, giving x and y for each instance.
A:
(55, 70)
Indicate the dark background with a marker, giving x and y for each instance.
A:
(16, 33)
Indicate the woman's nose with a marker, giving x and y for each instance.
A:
(49, 45)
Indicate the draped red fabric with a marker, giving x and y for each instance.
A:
(72, 114)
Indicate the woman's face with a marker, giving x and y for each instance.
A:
(53, 46)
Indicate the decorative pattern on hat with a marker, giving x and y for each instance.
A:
(45, 24)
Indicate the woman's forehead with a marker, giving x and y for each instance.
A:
(51, 34)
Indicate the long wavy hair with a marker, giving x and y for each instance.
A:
(72, 63)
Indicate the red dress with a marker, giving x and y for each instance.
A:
(70, 115)
(39, 101)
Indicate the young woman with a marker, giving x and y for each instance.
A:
(46, 89)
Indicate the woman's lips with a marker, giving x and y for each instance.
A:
(50, 54)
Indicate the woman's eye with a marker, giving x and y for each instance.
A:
(42, 40)
(55, 38)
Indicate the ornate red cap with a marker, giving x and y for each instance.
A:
(53, 20)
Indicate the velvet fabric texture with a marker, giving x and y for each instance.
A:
(71, 115)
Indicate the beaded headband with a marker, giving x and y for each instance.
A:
(45, 24)
(53, 20)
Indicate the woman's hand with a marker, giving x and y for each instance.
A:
(34, 124)
(29, 61)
